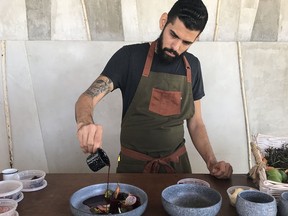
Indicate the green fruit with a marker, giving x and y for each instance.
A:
(108, 194)
(274, 175)
(284, 176)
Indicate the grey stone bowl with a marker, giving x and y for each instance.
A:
(79, 209)
(255, 203)
(283, 204)
(191, 199)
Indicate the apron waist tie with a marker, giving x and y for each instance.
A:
(154, 164)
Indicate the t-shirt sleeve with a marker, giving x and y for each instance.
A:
(197, 79)
(197, 83)
(117, 67)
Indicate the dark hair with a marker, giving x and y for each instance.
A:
(193, 13)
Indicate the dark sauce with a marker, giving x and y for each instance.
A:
(108, 178)
(35, 177)
(115, 204)
(95, 201)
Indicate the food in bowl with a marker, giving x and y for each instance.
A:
(10, 189)
(234, 191)
(113, 202)
(82, 200)
(31, 178)
(191, 199)
(8, 207)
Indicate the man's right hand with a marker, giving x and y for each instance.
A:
(90, 137)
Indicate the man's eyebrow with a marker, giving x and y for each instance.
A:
(176, 36)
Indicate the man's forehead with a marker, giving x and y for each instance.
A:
(185, 34)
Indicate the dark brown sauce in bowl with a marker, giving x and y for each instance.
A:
(112, 202)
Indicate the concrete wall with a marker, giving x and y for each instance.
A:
(51, 51)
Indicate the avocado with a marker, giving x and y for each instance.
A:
(274, 175)
(284, 176)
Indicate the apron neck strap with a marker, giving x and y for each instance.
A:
(149, 59)
(188, 70)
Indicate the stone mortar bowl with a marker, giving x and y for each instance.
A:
(283, 204)
(191, 199)
(255, 203)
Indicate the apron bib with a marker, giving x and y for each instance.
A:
(153, 123)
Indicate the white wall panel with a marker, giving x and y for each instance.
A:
(67, 20)
(149, 13)
(228, 20)
(13, 22)
(29, 151)
(222, 107)
(247, 18)
(4, 150)
(64, 20)
(208, 33)
(130, 20)
(265, 72)
(283, 21)
(59, 77)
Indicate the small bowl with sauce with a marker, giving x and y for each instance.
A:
(8, 207)
(31, 178)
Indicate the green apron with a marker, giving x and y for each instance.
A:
(153, 123)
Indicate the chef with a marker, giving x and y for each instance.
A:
(161, 85)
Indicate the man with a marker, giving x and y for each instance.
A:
(161, 85)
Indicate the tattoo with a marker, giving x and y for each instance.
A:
(99, 86)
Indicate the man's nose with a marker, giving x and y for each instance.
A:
(176, 45)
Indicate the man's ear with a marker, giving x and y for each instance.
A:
(163, 20)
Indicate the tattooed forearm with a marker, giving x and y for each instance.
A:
(87, 101)
(101, 84)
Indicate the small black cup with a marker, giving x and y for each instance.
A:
(98, 160)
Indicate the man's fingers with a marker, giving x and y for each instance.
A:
(222, 170)
(90, 137)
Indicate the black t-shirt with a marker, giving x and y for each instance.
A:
(126, 66)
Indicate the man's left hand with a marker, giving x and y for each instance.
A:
(221, 170)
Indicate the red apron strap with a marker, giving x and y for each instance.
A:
(135, 155)
(149, 59)
(188, 70)
(154, 164)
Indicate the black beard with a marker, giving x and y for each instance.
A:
(161, 52)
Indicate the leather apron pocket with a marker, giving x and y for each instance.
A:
(165, 103)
